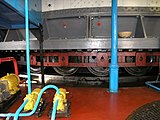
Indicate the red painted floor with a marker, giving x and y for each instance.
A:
(98, 104)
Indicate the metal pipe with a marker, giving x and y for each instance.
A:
(36, 104)
(54, 110)
(153, 86)
(28, 46)
(113, 84)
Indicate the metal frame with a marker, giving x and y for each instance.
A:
(49, 5)
(86, 43)
(106, 11)
(102, 59)
(15, 9)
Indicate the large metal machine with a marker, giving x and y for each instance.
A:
(9, 86)
(81, 37)
(12, 15)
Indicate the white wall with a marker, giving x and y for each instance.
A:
(66, 4)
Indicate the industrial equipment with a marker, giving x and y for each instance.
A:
(32, 98)
(63, 108)
(83, 39)
(9, 86)
(4, 91)
(13, 82)
(9, 90)
(19, 10)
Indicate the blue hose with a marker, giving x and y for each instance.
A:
(54, 110)
(153, 86)
(27, 46)
(36, 105)
(20, 109)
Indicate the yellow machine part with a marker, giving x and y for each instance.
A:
(32, 98)
(61, 99)
(13, 82)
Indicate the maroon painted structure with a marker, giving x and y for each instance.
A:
(102, 59)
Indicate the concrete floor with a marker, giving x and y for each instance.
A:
(98, 103)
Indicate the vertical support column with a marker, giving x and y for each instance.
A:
(113, 82)
(41, 54)
(27, 46)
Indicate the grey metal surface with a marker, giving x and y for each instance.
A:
(152, 26)
(49, 5)
(97, 22)
(130, 43)
(90, 43)
(139, 28)
(129, 11)
(17, 35)
(79, 29)
(18, 45)
(75, 27)
(101, 26)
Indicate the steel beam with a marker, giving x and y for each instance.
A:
(17, 6)
(86, 43)
(101, 59)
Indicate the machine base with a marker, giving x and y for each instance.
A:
(4, 106)
(61, 114)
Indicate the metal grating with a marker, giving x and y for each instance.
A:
(150, 111)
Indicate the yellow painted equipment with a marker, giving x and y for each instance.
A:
(61, 99)
(32, 98)
(13, 82)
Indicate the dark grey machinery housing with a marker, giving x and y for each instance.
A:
(90, 28)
